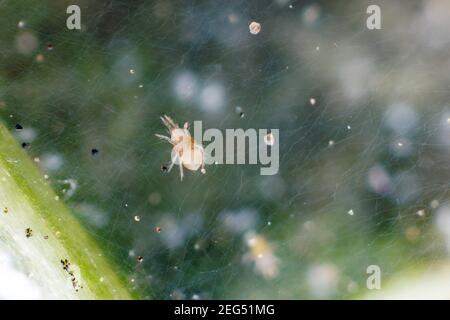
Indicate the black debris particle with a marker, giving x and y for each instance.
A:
(158, 229)
(25, 145)
(164, 168)
(94, 151)
(66, 266)
(5, 210)
(28, 232)
(18, 127)
(140, 259)
(49, 47)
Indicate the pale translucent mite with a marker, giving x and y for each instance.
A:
(254, 27)
(186, 152)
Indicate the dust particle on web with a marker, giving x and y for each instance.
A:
(158, 229)
(49, 47)
(137, 218)
(421, 213)
(239, 111)
(18, 127)
(312, 101)
(254, 27)
(164, 168)
(350, 212)
(94, 151)
(5, 210)
(140, 259)
(26, 145)
(28, 232)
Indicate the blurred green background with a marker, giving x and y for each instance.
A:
(364, 137)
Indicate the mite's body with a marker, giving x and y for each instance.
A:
(185, 152)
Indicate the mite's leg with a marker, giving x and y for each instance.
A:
(181, 168)
(168, 122)
(172, 162)
(163, 137)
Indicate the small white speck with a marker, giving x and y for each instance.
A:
(421, 213)
(137, 218)
(312, 101)
(350, 212)
(131, 71)
(349, 127)
(331, 143)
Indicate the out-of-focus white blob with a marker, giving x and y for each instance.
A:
(272, 187)
(322, 280)
(261, 254)
(356, 76)
(27, 134)
(234, 35)
(435, 23)
(443, 223)
(212, 97)
(405, 187)
(70, 186)
(93, 215)
(185, 85)
(233, 18)
(379, 180)
(401, 118)
(26, 43)
(311, 15)
(401, 147)
(14, 284)
(51, 162)
(240, 221)
(175, 232)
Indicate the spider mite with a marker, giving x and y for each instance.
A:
(186, 152)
